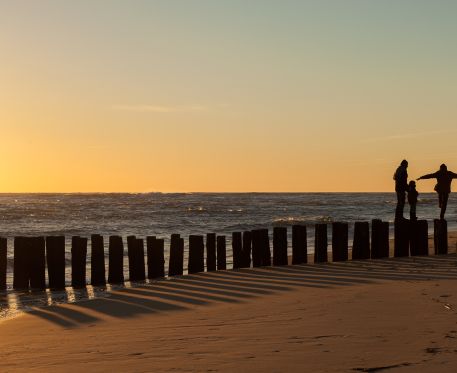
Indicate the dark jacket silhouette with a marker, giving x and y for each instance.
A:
(412, 200)
(401, 186)
(401, 178)
(443, 186)
(443, 178)
(412, 195)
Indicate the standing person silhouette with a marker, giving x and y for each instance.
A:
(412, 200)
(401, 186)
(443, 186)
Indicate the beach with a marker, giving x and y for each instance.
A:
(228, 186)
(392, 314)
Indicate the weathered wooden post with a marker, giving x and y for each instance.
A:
(3, 262)
(256, 247)
(320, 243)
(135, 250)
(55, 257)
(361, 242)
(379, 239)
(237, 247)
(280, 257)
(384, 239)
(401, 238)
(116, 260)
(97, 261)
(35, 249)
(211, 252)
(29, 263)
(196, 260)
(221, 253)
(440, 236)
(131, 254)
(265, 249)
(340, 242)
(246, 252)
(21, 275)
(78, 261)
(299, 244)
(419, 237)
(176, 261)
(139, 260)
(156, 257)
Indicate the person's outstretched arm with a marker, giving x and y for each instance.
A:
(453, 174)
(428, 176)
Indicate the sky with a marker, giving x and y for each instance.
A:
(225, 96)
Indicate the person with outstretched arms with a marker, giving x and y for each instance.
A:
(443, 185)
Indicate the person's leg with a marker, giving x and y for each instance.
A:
(401, 197)
(412, 212)
(444, 198)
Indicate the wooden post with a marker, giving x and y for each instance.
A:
(379, 239)
(299, 244)
(401, 238)
(256, 247)
(135, 250)
(361, 243)
(139, 260)
(176, 260)
(440, 236)
(116, 260)
(97, 261)
(246, 252)
(237, 248)
(375, 238)
(280, 257)
(211, 252)
(21, 275)
(221, 253)
(419, 237)
(156, 257)
(340, 242)
(78, 261)
(196, 260)
(320, 243)
(29, 263)
(384, 239)
(3, 262)
(37, 262)
(55, 258)
(265, 249)
(131, 254)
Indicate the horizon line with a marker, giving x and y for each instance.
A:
(210, 192)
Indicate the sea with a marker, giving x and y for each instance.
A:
(162, 214)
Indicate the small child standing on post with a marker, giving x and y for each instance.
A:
(412, 200)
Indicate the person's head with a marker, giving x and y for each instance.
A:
(412, 184)
(443, 167)
(404, 163)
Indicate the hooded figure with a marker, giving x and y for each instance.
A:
(401, 186)
(443, 185)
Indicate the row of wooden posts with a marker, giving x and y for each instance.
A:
(33, 254)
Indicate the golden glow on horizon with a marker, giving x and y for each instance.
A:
(296, 98)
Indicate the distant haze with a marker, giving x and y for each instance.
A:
(259, 95)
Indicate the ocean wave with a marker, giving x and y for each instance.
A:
(293, 220)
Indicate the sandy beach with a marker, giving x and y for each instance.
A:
(393, 314)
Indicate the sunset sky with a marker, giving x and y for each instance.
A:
(236, 95)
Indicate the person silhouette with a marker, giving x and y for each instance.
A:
(401, 186)
(443, 186)
(412, 200)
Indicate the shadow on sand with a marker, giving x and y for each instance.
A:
(238, 286)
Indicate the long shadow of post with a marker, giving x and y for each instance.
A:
(201, 290)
